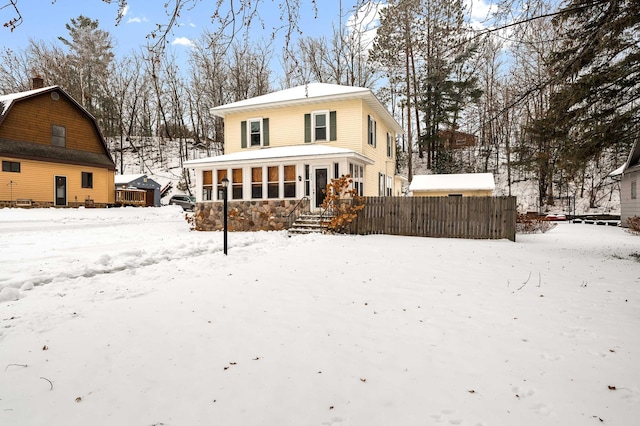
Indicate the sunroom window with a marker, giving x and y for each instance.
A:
(290, 181)
(236, 184)
(273, 185)
(256, 182)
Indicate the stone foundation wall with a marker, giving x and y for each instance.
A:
(256, 215)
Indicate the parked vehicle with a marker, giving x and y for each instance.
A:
(556, 216)
(187, 202)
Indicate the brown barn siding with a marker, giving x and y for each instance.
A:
(30, 120)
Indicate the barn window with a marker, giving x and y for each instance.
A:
(59, 135)
(11, 166)
(87, 180)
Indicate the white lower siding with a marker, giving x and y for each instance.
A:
(629, 206)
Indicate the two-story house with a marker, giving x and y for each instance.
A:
(52, 152)
(289, 144)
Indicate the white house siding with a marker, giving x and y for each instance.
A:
(286, 124)
(629, 206)
(286, 128)
(383, 164)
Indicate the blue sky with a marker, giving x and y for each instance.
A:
(44, 20)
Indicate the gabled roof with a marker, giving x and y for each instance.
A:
(299, 152)
(453, 182)
(309, 94)
(9, 100)
(634, 157)
(123, 179)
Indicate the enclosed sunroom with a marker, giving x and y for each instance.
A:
(279, 173)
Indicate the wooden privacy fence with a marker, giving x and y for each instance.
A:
(446, 217)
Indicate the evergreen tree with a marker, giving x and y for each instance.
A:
(90, 55)
(597, 72)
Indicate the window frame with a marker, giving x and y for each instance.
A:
(237, 178)
(56, 139)
(11, 166)
(207, 185)
(273, 184)
(289, 187)
(314, 125)
(250, 133)
(257, 191)
(87, 180)
(371, 130)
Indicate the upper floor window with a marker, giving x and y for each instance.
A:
(254, 132)
(634, 189)
(320, 126)
(58, 135)
(11, 166)
(389, 145)
(371, 131)
(87, 180)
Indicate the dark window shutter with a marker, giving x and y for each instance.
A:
(243, 134)
(332, 126)
(375, 133)
(265, 132)
(307, 128)
(369, 141)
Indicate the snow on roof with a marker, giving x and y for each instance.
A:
(453, 182)
(122, 179)
(618, 171)
(304, 151)
(312, 92)
(7, 100)
(304, 92)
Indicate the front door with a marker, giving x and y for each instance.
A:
(320, 175)
(61, 190)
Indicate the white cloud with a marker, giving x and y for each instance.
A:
(125, 10)
(365, 21)
(480, 11)
(182, 41)
(136, 20)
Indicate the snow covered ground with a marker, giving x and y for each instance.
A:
(125, 317)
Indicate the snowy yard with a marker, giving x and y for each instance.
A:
(125, 317)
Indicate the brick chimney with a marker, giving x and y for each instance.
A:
(37, 82)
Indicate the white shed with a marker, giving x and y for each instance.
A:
(462, 184)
